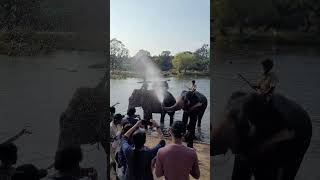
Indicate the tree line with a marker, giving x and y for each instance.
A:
(267, 15)
(180, 62)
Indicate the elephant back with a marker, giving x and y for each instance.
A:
(169, 99)
(296, 117)
(85, 118)
(202, 98)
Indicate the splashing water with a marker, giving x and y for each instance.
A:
(148, 70)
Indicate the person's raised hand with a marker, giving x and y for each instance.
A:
(25, 131)
(138, 124)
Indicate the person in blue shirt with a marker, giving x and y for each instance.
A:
(131, 117)
(139, 157)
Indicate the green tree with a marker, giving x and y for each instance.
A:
(164, 60)
(202, 56)
(184, 61)
(118, 54)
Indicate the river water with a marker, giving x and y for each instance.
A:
(299, 75)
(121, 90)
(34, 91)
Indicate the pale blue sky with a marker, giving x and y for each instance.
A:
(158, 25)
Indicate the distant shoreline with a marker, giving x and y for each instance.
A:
(280, 38)
(119, 74)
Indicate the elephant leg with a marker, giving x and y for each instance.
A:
(191, 129)
(294, 161)
(241, 168)
(147, 116)
(201, 113)
(163, 115)
(171, 118)
(185, 117)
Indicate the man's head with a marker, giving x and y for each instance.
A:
(139, 138)
(178, 129)
(67, 160)
(131, 111)
(267, 65)
(8, 154)
(117, 119)
(193, 81)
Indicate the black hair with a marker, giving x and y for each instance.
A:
(139, 138)
(68, 159)
(126, 128)
(117, 119)
(193, 81)
(27, 172)
(178, 129)
(267, 64)
(8, 153)
(131, 111)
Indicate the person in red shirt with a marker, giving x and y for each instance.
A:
(176, 161)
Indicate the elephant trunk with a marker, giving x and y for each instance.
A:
(177, 106)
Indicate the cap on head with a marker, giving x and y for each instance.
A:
(178, 129)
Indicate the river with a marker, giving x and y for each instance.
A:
(299, 75)
(121, 90)
(34, 91)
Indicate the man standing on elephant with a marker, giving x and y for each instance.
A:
(193, 109)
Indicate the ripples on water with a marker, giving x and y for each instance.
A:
(299, 75)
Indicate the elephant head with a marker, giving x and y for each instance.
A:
(238, 122)
(136, 98)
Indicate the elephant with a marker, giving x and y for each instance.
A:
(148, 100)
(268, 137)
(85, 120)
(194, 105)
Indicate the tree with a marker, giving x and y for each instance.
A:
(118, 54)
(20, 13)
(202, 56)
(183, 61)
(164, 60)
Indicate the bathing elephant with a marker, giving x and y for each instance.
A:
(181, 104)
(269, 138)
(85, 120)
(148, 100)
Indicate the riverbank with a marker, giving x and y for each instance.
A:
(28, 43)
(291, 38)
(119, 74)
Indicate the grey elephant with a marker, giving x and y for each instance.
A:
(269, 138)
(85, 120)
(148, 100)
(194, 105)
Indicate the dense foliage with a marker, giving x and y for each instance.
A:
(181, 62)
(266, 15)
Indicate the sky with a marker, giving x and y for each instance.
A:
(159, 25)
